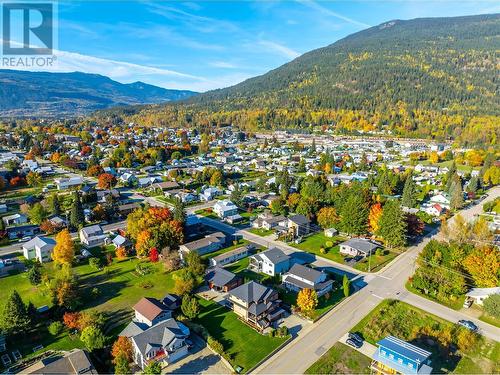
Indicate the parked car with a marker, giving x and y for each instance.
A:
(468, 324)
(355, 336)
(24, 239)
(468, 303)
(354, 343)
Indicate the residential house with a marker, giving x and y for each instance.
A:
(127, 178)
(127, 208)
(68, 183)
(269, 221)
(221, 280)
(165, 185)
(271, 262)
(15, 219)
(210, 193)
(480, 294)
(299, 225)
(330, 232)
(172, 301)
(433, 209)
(150, 311)
(442, 199)
(164, 342)
(92, 236)
(301, 277)
(22, 231)
(230, 256)
(358, 247)
(395, 356)
(208, 244)
(120, 241)
(102, 194)
(256, 304)
(3, 208)
(74, 362)
(225, 209)
(39, 248)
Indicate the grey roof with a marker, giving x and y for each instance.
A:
(239, 250)
(361, 244)
(304, 272)
(251, 292)
(275, 255)
(220, 276)
(160, 334)
(39, 241)
(133, 329)
(299, 219)
(76, 362)
(92, 230)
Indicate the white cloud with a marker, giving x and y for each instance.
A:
(279, 48)
(222, 64)
(325, 11)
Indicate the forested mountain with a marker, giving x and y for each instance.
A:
(432, 77)
(24, 93)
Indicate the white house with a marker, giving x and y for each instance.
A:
(39, 248)
(300, 277)
(15, 219)
(150, 311)
(442, 199)
(225, 209)
(67, 183)
(358, 247)
(92, 236)
(480, 294)
(271, 262)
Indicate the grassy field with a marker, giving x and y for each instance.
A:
(119, 288)
(341, 359)
(428, 332)
(245, 346)
(240, 268)
(261, 231)
(313, 244)
(376, 262)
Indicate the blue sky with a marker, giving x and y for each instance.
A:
(209, 44)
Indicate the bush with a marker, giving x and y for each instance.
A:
(55, 328)
(143, 269)
(379, 252)
(322, 250)
(492, 305)
(215, 345)
(282, 331)
(95, 263)
(329, 244)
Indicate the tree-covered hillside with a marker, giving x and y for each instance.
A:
(435, 77)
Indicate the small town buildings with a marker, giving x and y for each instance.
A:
(395, 356)
(299, 225)
(480, 294)
(221, 280)
(208, 244)
(225, 209)
(230, 256)
(76, 361)
(256, 304)
(150, 311)
(3, 208)
(39, 248)
(22, 231)
(442, 199)
(164, 342)
(269, 221)
(68, 183)
(15, 219)
(271, 262)
(301, 277)
(210, 193)
(92, 236)
(358, 247)
(120, 241)
(330, 232)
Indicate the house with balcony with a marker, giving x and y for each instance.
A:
(301, 277)
(395, 356)
(256, 304)
(271, 262)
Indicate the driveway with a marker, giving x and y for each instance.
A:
(201, 360)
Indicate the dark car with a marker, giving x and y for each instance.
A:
(355, 337)
(468, 324)
(354, 343)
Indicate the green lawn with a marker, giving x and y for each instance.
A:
(313, 243)
(455, 304)
(261, 231)
(240, 268)
(119, 288)
(341, 359)
(207, 213)
(245, 346)
(376, 262)
(427, 331)
(325, 303)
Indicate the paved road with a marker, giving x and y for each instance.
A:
(315, 340)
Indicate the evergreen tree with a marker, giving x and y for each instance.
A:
(456, 195)
(312, 150)
(179, 212)
(302, 166)
(53, 204)
(392, 224)
(473, 185)
(77, 216)
(346, 286)
(35, 274)
(121, 365)
(237, 195)
(409, 192)
(384, 185)
(14, 318)
(354, 215)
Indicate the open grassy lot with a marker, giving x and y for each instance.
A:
(341, 359)
(312, 244)
(113, 291)
(240, 268)
(245, 346)
(375, 262)
(261, 232)
(472, 354)
(207, 212)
